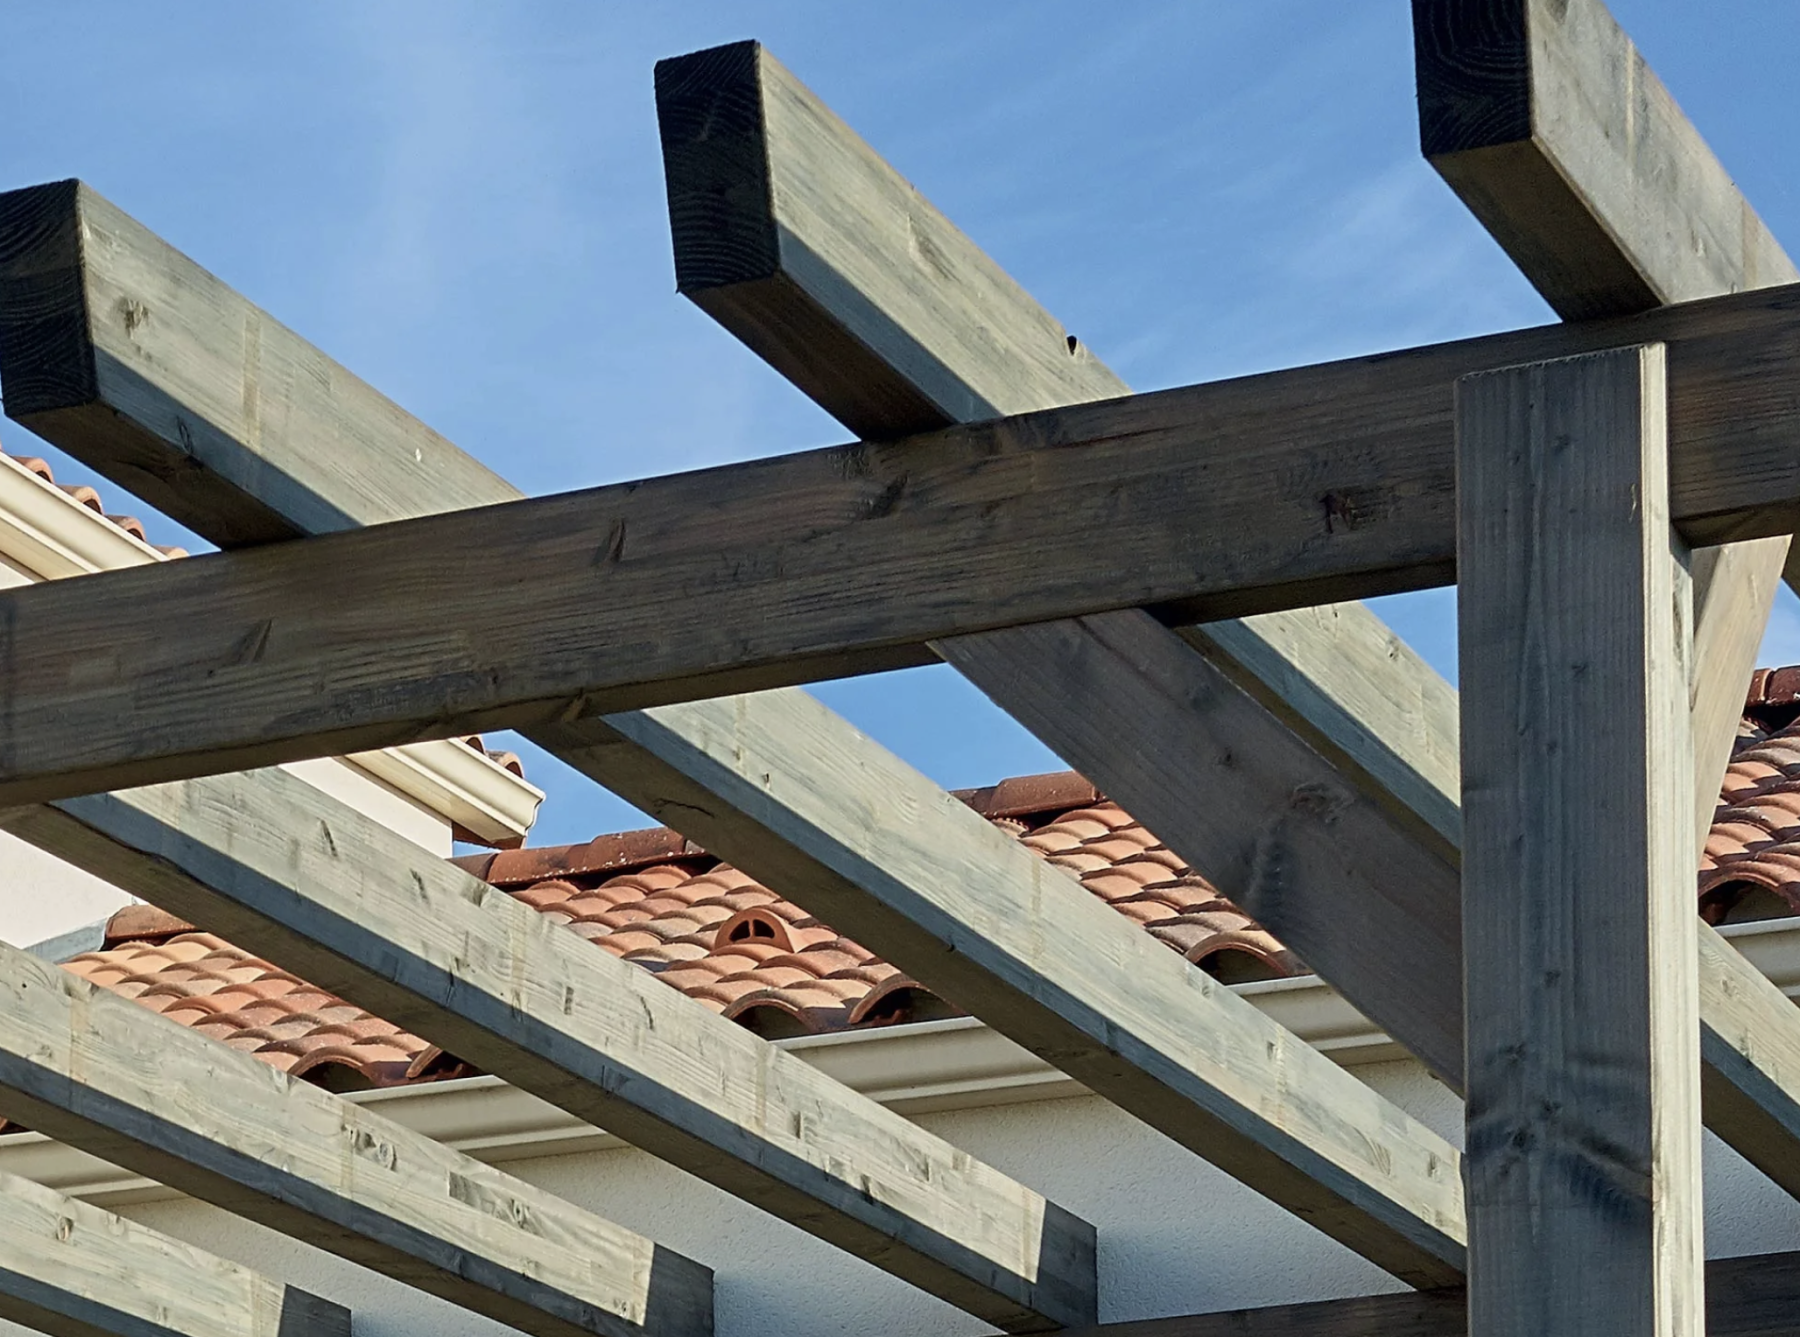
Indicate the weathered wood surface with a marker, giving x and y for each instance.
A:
(885, 856)
(1390, 1224)
(351, 908)
(797, 237)
(830, 561)
(1754, 1296)
(1310, 855)
(73, 1270)
(1344, 1201)
(1574, 630)
(100, 324)
(794, 235)
(272, 864)
(101, 1073)
(1549, 125)
(1546, 120)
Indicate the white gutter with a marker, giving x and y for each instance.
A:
(45, 534)
(929, 1065)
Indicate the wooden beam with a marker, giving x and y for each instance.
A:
(1547, 122)
(794, 235)
(865, 842)
(97, 1071)
(1753, 1296)
(1281, 832)
(353, 909)
(1402, 1218)
(1550, 126)
(831, 561)
(799, 239)
(278, 867)
(763, 181)
(73, 1270)
(1579, 964)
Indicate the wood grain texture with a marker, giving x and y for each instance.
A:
(797, 237)
(1174, 740)
(282, 869)
(96, 310)
(831, 561)
(887, 857)
(1579, 962)
(276, 866)
(209, 370)
(97, 1071)
(1544, 117)
(72, 1270)
(1753, 1296)
(1546, 121)
(775, 203)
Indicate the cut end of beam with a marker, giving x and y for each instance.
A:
(46, 360)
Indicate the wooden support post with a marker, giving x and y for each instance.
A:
(1583, 1143)
(101, 1073)
(72, 1270)
(275, 865)
(1385, 1188)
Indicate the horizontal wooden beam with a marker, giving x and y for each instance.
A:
(1546, 120)
(794, 235)
(832, 561)
(1312, 856)
(73, 1270)
(1753, 1296)
(280, 868)
(1371, 1211)
(97, 1071)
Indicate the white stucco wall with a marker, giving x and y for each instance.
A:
(41, 896)
(1175, 1235)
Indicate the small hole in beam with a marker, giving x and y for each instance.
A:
(1074, 343)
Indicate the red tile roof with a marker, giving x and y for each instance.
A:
(89, 498)
(735, 946)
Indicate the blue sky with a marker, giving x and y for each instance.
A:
(463, 202)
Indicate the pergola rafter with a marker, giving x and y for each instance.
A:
(97, 1071)
(73, 1270)
(1042, 530)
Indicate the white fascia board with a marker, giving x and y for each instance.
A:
(45, 534)
(957, 1063)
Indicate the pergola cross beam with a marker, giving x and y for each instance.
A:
(834, 562)
(1380, 1182)
(1324, 481)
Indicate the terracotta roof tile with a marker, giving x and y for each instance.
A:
(90, 498)
(710, 930)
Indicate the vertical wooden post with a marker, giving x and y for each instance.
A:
(1583, 1161)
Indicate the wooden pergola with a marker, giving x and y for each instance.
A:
(1504, 884)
